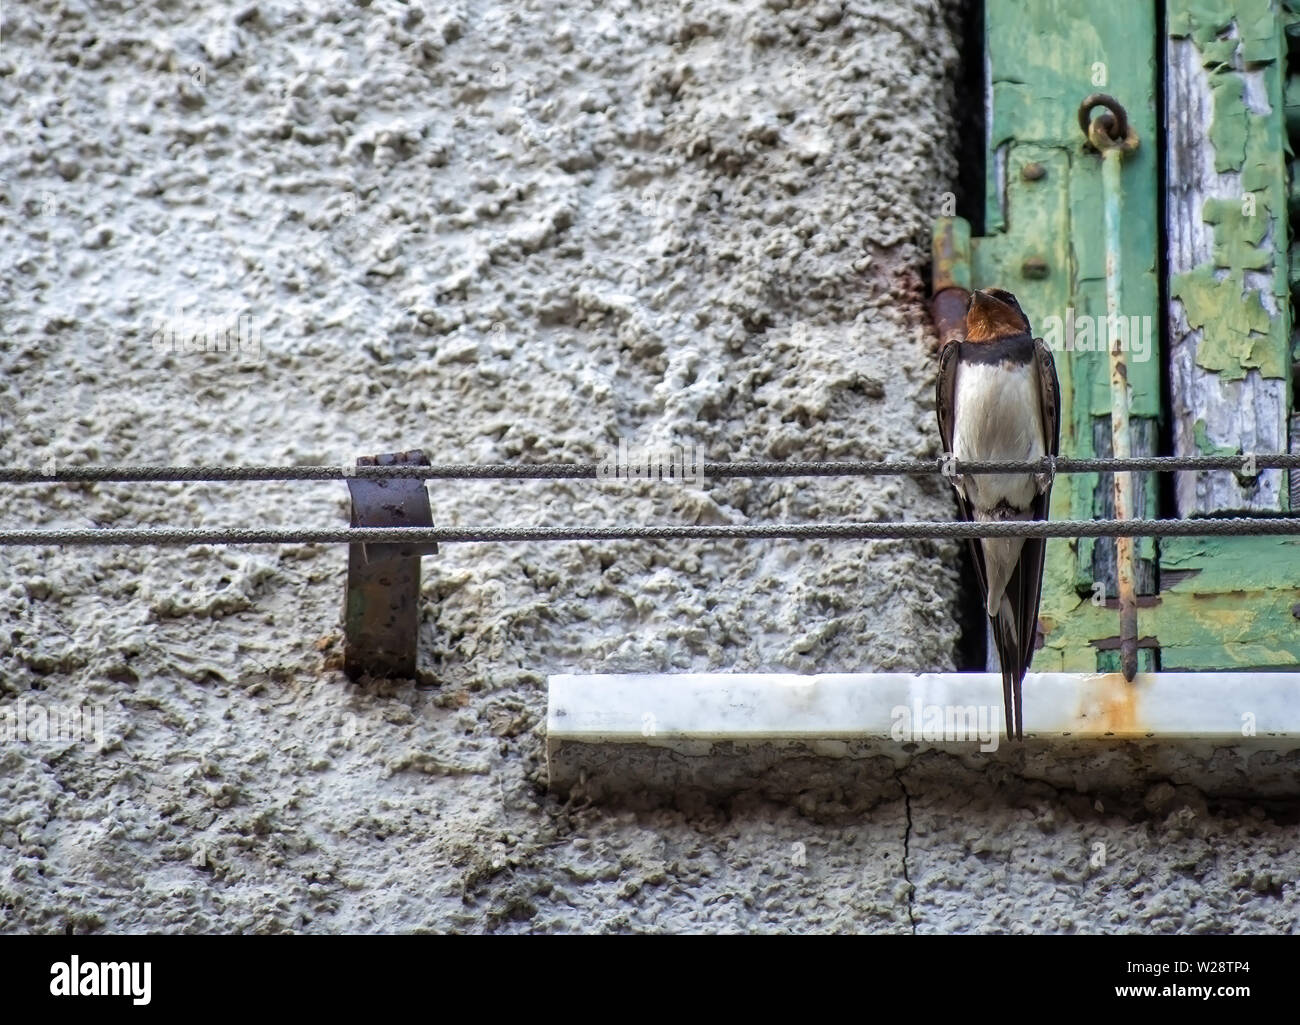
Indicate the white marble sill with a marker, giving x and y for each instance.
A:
(1260, 709)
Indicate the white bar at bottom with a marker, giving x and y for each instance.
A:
(755, 707)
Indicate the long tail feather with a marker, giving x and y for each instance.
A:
(1006, 636)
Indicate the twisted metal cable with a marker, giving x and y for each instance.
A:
(609, 471)
(876, 531)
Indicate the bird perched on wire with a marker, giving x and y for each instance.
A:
(998, 399)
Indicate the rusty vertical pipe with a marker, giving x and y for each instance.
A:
(1113, 137)
(1125, 547)
(950, 274)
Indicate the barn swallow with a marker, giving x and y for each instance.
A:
(998, 399)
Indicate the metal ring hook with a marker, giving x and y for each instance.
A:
(1110, 130)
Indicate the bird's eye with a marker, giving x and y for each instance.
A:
(1000, 293)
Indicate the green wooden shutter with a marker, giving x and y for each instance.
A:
(1223, 603)
(1227, 603)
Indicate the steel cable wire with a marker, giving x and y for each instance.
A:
(610, 471)
(869, 531)
(891, 530)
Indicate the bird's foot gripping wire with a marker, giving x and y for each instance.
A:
(1044, 481)
(948, 467)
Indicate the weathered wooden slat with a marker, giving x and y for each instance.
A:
(1252, 628)
(1228, 319)
(1230, 565)
(1295, 447)
(1104, 570)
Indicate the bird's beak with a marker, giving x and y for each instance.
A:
(986, 305)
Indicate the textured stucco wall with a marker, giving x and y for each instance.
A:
(498, 231)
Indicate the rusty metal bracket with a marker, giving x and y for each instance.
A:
(381, 616)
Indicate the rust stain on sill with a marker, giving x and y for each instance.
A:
(1113, 704)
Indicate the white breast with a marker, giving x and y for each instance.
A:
(996, 416)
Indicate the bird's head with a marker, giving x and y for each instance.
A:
(994, 313)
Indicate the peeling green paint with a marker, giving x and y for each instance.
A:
(1218, 561)
(1205, 21)
(1236, 330)
(1200, 434)
(1228, 123)
(1197, 627)
(1238, 233)
(1238, 334)
(1226, 603)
